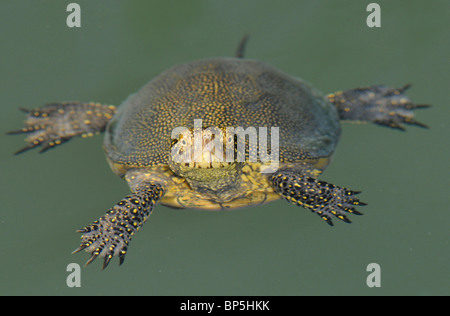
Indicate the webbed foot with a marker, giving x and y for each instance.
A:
(322, 198)
(378, 104)
(110, 235)
(56, 123)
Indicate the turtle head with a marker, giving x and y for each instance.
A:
(206, 158)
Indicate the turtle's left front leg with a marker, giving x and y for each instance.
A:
(378, 104)
(325, 199)
(110, 235)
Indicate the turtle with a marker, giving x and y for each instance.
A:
(150, 141)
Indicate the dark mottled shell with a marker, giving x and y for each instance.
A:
(222, 92)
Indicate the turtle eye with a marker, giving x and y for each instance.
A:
(183, 142)
(174, 141)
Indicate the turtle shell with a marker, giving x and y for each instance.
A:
(221, 92)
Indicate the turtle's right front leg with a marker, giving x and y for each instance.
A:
(110, 235)
(56, 123)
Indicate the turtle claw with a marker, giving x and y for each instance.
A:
(378, 104)
(56, 123)
(91, 259)
(106, 261)
(79, 249)
(121, 259)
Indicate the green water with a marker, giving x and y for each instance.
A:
(277, 249)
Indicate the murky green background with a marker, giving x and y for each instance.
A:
(277, 249)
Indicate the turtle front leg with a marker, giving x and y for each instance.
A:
(322, 198)
(378, 104)
(56, 123)
(110, 235)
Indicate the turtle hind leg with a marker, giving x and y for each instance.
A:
(378, 104)
(56, 123)
(110, 235)
(325, 199)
